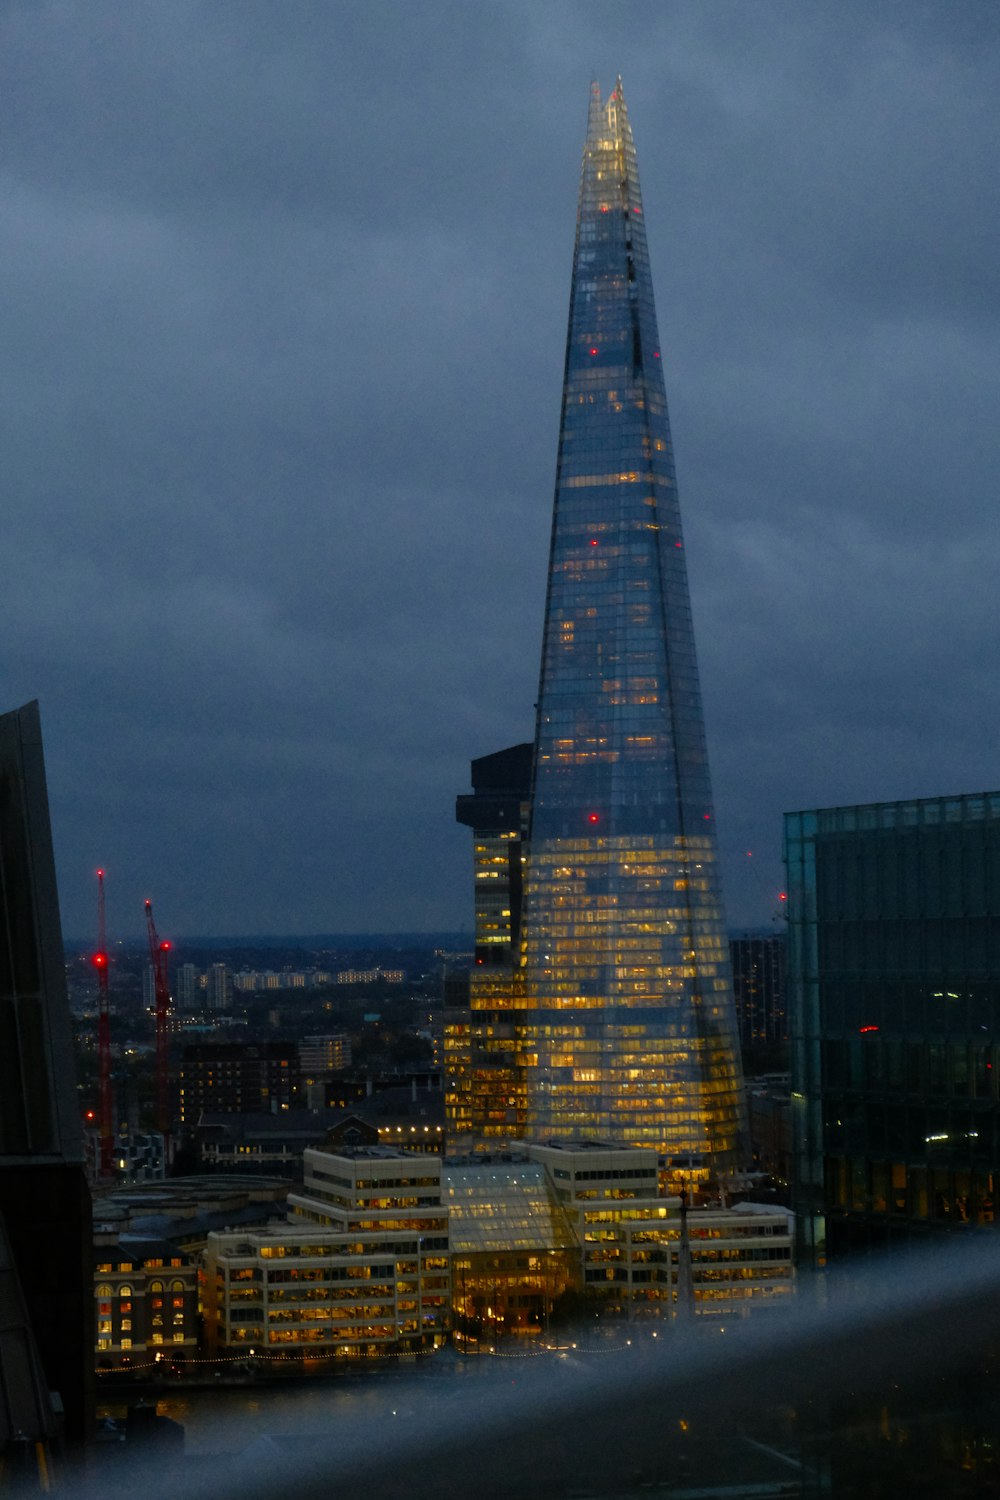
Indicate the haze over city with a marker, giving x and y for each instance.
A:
(286, 294)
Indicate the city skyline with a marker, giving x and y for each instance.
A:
(280, 434)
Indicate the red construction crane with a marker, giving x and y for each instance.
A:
(158, 959)
(105, 1107)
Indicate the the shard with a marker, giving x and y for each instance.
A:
(628, 1029)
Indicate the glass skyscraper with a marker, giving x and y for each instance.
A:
(608, 1010)
(894, 1001)
(628, 1029)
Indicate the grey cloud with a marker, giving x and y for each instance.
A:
(285, 290)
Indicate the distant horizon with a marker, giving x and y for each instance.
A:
(295, 940)
(348, 940)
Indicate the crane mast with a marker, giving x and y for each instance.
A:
(158, 951)
(105, 1107)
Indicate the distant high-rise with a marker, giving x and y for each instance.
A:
(496, 812)
(186, 981)
(628, 1028)
(484, 1078)
(220, 987)
(758, 964)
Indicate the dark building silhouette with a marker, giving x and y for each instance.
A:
(44, 1198)
(894, 1001)
(758, 965)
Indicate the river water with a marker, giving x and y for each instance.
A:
(227, 1419)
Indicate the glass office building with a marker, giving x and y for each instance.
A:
(484, 1080)
(894, 997)
(629, 1030)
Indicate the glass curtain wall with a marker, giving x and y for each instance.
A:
(894, 967)
(629, 1024)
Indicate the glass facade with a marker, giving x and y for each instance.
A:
(628, 1026)
(504, 1206)
(894, 996)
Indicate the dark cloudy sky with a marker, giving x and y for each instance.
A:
(284, 288)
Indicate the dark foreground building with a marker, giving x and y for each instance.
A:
(894, 993)
(45, 1226)
(616, 1020)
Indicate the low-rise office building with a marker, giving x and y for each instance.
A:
(642, 1257)
(387, 1250)
(362, 1266)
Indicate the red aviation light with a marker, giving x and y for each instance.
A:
(100, 959)
(593, 817)
(593, 351)
(593, 541)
